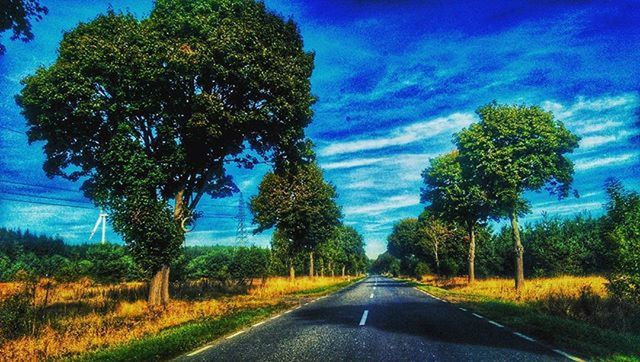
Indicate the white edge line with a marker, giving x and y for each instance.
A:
(289, 311)
(477, 315)
(567, 355)
(496, 324)
(258, 324)
(525, 337)
(276, 316)
(199, 350)
(235, 334)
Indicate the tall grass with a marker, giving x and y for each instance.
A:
(83, 316)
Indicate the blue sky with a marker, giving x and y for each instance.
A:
(394, 80)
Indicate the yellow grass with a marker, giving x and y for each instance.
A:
(536, 289)
(83, 316)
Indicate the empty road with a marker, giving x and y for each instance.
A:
(378, 319)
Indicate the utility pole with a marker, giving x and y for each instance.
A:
(241, 231)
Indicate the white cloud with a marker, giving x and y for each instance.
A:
(358, 162)
(570, 208)
(595, 141)
(589, 105)
(390, 203)
(590, 163)
(403, 135)
(597, 127)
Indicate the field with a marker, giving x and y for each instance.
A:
(73, 318)
(573, 312)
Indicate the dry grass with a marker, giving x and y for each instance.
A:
(534, 290)
(83, 316)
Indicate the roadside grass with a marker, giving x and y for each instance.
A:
(535, 312)
(111, 322)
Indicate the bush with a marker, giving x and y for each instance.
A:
(16, 316)
(421, 269)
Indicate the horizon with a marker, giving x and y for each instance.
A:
(391, 93)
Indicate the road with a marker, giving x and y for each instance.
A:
(377, 319)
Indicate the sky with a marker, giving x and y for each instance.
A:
(395, 81)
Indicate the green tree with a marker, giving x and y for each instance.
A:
(17, 15)
(456, 198)
(514, 149)
(621, 232)
(401, 243)
(149, 112)
(301, 205)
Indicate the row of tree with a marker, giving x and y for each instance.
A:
(512, 149)
(25, 256)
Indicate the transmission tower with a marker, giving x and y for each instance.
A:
(241, 231)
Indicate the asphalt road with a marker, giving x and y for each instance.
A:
(377, 319)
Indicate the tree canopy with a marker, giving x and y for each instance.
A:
(17, 15)
(148, 113)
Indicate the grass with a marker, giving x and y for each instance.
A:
(112, 322)
(573, 313)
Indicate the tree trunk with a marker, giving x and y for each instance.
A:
(159, 287)
(311, 264)
(343, 269)
(472, 254)
(435, 254)
(519, 249)
(333, 272)
(292, 272)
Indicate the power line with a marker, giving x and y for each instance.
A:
(46, 203)
(43, 197)
(241, 232)
(13, 130)
(40, 186)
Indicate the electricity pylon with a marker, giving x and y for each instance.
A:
(241, 231)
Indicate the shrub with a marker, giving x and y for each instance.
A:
(16, 316)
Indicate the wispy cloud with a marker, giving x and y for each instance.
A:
(390, 203)
(590, 163)
(403, 135)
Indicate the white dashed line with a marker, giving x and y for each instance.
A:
(235, 334)
(363, 320)
(477, 315)
(199, 350)
(525, 337)
(371, 296)
(496, 324)
(566, 355)
(462, 309)
(374, 288)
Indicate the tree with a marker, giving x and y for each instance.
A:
(401, 243)
(621, 233)
(149, 113)
(456, 198)
(17, 15)
(514, 149)
(300, 204)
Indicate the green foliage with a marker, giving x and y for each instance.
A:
(386, 264)
(516, 148)
(17, 15)
(621, 232)
(148, 111)
(224, 264)
(300, 204)
(16, 315)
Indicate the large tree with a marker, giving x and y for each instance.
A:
(17, 15)
(457, 198)
(300, 204)
(150, 112)
(514, 149)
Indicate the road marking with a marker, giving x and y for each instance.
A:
(371, 296)
(496, 324)
(289, 311)
(199, 350)
(235, 334)
(363, 320)
(374, 288)
(257, 324)
(525, 337)
(462, 309)
(477, 315)
(565, 354)
(276, 316)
